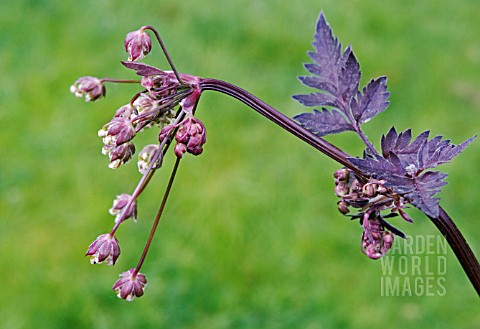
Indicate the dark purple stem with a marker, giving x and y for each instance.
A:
(119, 80)
(170, 62)
(444, 223)
(459, 246)
(157, 219)
(280, 119)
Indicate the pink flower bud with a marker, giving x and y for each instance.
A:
(90, 87)
(126, 111)
(376, 242)
(145, 158)
(120, 129)
(130, 285)
(144, 103)
(343, 207)
(180, 149)
(119, 209)
(104, 248)
(120, 154)
(165, 132)
(137, 44)
(148, 82)
(341, 175)
(192, 135)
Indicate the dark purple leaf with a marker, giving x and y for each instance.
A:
(323, 122)
(316, 99)
(444, 152)
(349, 76)
(376, 167)
(319, 83)
(421, 153)
(373, 100)
(419, 190)
(327, 52)
(143, 69)
(425, 187)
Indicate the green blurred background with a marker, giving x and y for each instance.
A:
(251, 237)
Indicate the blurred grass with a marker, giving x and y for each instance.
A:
(251, 236)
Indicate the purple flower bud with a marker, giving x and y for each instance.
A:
(165, 132)
(369, 190)
(137, 44)
(130, 285)
(145, 158)
(341, 175)
(343, 207)
(192, 135)
(119, 209)
(126, 111)
(148, 82)
(376, 242)
(120, 129)
(104, 248)
(91, 87)
(180, 149)
(144, 103)
(341, 189)
(120, 154)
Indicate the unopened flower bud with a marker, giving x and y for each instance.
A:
(165, 132)
(341, 175)
(148, 82)
(121, 130)
(126, 111)
(130, 285)
(120, 154)
(137, 44)
(90, 87)
(120, 210)
(405, 216)
(376, 242)
(192, 135)
(145, 103)
(343, 207)
(145, 158)
(369, 190)
(180, 149)
(104, 248)
(341, 189)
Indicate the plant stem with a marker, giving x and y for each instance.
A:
(120, 80)
(280, 119)
(444, 223)
(459, 246)
(142, 184)
(170, 62)
(157, 218)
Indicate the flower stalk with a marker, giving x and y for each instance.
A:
(444, 223)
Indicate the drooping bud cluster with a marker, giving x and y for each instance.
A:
(166, 100)
(104, 248)
(375, 240)
(146, 157)
(130, 285)
(90, 87)
(370, 198)
(190, 137)
(138, 44)
(117, 135)
(124, 207)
